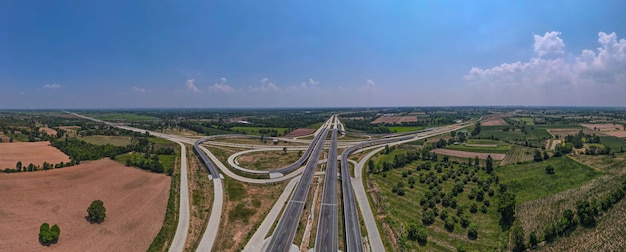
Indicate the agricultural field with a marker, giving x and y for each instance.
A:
(300, 132)
(523, 120)
(532, 133)
(102, 140)
(402, 129)
(122, 117)
(616, 144)
(530, 181)
(398, 212)
(467, 154)
(501, 148)
(518, 154)
(258, 130)
(29, 152)
(135, 203)
(394, 119)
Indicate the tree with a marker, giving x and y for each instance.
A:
(97, 211)
(532, 239)
(476, 161)
(472, 231)
(549, 169)
(18, 166)
(489, 164)
(47, 234)
(585, 213)
(506, 207)
(428, 217)
(370, 166)
(476, 129)
(284, 150)
(415, 231)
(519, 238)
(537, 157)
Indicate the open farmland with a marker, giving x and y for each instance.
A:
(494, 122)
(300, 132)
(609, 129)
(48, 131)
(466, 154)
(29, 152)
(394, 119)
(102, 140)
(135, 203)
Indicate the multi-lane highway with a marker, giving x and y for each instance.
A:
(327, 228)
(284, 233)
(286, 229)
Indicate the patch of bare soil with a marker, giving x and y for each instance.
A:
(494, 122)
(135, 202)
(300, 132)
(48, 131)
(29, 152)
(467, 154)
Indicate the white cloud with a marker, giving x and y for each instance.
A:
(52, 86)
(191, 85)
(312, 82)
(221, 87)
(266, 85)
(550, 43)
(592, 74)
(139, 89)
(369, 83)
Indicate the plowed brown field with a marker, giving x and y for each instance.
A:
(35, 152)
(300, 132)
(135, 202)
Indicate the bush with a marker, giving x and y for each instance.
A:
(533, 239)
(472, 231)
(97, 211)
(549, 169)
(428, 217)
(449, 224)
(47, 234)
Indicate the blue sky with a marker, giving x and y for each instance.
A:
(138, 54)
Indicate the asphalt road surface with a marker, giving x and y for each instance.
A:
(328, 223)
(288, 224)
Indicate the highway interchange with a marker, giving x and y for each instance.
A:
(300, 179)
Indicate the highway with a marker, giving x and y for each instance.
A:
(328, 222)
(178, 244)
(283, 235)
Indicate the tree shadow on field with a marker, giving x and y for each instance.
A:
(47, 244)
(90, 220)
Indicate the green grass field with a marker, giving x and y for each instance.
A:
(401, 129)
(256, 130)
(102, 140)
(168, 161)
(527, 120)
(614, 143)
(529, 181)
(533, 133)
